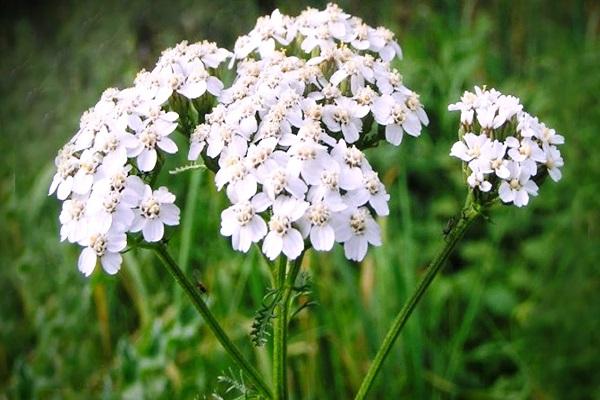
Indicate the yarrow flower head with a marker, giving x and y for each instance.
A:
(104, 172)
(310, 94)
(506, 151)
(286, 140)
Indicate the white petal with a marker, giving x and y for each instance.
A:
(153, 230)
(379, 203)
(272, 245)
(167, 145)
(356, 248)
(351, 131)
(147, 160)
(322, 237)
(87, 261)
(169, 214)
(393, 134)
(111, 262)
(412, 125)
(214, 85)
(293, 244)
(505, 193)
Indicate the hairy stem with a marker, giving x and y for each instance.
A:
(280, 336)
(211, 321)
(468, 215)
(285, 283)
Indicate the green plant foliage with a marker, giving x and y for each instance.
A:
(515, 314)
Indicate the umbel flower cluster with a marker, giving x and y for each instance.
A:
(285, 139)
(507, 152)
(289, 133)
(104, 172)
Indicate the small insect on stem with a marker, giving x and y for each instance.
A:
(199, 285)
(449, 226)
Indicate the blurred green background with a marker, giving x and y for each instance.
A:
(515, 314)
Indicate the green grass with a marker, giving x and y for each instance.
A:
(515, 315)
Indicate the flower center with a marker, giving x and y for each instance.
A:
(372, 184)
(110, 145)
(358, 222)
(497, 163)
(244, 213)
(307, 153)
(150, 208)
(117, 181)
(330, 179)
(111, 202)
(238, 172)
(279, 180)
(341, 116)
(474, 151)
(395, 78)
(280, 224)
(353, 157)
(77, 208)
(365, 96)
(515, 184)
(398, 114)
(98, 244)
(260, 156)
(175, 82)
(67, 167)
(200, 133)
(315, 112)
(148, 138)
(318, 214)
(525, 150)
(413, 102)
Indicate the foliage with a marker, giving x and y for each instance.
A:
(515, 314)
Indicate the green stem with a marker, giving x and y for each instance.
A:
(468, 215)
(280, 326)
(280, 336)
(211, 321)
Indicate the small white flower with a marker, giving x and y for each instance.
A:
(517, 187)
(373, 192)
(73, 219)
(396, 117)
(156, 209)
(235, 174)
(243, 224)
(103, 246)
(198, 141)
(283, 236)
(317, 223)
(152, 134)
(356, 228)
(527, 152)
(553, 161)
(472, 146)
(477, 180)
(345, 116)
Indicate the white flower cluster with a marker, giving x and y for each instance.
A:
(287, 135)
(101, 186)
(506, 149)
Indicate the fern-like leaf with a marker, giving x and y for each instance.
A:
(264, 317)
(188, 167)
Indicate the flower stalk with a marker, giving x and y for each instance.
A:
(211, 321)
(285, 283)
(468, 215)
